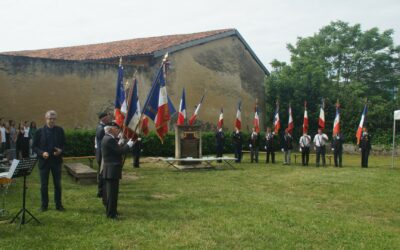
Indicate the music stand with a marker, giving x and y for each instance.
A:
(24, 168)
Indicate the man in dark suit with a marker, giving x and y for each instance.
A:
(269, 145)
(254, 145)
(112, 166)
(237, 144)
(220, 139)
(104, 118)
(365, 147)
(337, 148)
(48, 144)
(287, 146)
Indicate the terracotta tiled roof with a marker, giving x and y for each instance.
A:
(132, 47)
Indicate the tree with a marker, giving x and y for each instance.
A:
(339, 62)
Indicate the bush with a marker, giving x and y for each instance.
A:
(79, 142)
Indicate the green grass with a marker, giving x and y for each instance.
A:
(253, 207)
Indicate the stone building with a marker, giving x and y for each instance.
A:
(79, 81)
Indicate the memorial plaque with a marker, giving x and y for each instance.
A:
(188, 142)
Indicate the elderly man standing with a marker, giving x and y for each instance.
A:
(112, 165)
(104, 119)
(48, 144)
(320, 140)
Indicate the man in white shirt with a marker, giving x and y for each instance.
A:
(305, 142)
(320, 140)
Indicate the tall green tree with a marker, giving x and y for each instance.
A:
(340, 62)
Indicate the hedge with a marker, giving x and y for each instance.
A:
(81, 143)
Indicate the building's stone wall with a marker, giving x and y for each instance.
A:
(79, 90)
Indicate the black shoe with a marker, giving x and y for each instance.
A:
(43, 209)
(60, 208)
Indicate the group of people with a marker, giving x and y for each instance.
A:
(16, 140)
(286, 144)
(110, 152)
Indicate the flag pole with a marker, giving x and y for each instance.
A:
(394, 136)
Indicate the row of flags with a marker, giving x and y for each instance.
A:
(159, 108)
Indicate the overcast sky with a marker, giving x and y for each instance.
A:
(266, 25)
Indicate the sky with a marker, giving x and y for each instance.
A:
(267, 25)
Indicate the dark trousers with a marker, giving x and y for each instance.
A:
(337, 158)
(254, 154)
(238, 153)
(44, 172)
(112, 189)
(320, 153)
(100, 181)
(364, 158)
(305, 155)
(136, 158)
(219, 152)
(25, 147)
(272, 153)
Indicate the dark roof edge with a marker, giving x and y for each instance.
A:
(193, 43)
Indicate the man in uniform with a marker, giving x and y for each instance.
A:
(320, 140)
(254, 144)
(48, 144)
(365, 147)
(305, 142)
(112, 166)
(337, 148)
(220, 139)
(237, 144)
(269, 145)
(104, 119)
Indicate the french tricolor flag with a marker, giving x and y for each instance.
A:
(120, 103)
(196, 112)
(238, 120)
(305, 119)
(182, 110)
(361, 125)
(277, 122)
(256, 121)
(221, 119)
(290, 122)
(336, 123)
(163, 113)
(321, 119)
(133, 115)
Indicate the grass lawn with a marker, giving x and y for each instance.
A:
(253, 207)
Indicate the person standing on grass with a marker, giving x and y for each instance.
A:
(13, 140)
(32, 131)
(287, 146)
(112, 154)
(220, 140)
(237, 144)
(25, 140)
(48, 144)
(2, 136)
(269, 145)
(365, 147)
(254, 145)
(305, 142)
(337, 148)
(104, 118)
(320, 140)
(137, 150)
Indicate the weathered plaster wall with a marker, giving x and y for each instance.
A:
(78, 91)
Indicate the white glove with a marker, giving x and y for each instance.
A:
(359, 149)
(139, 139)
(250, 145)
(283, 150)
(265, 147)
(121, 141)
(301, 150)
(333, 149)
(130, 143)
